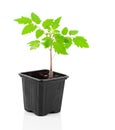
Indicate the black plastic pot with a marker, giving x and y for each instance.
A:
(42, 95)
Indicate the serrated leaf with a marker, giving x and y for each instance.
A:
(56, 23)
(59, 45)
(68, 42)
(34, 44)
(65, 31)
(35, 18)
(47, 23)
(59, 38)
(47, 42)
(73, 32)
(80, 42)
(59, 48)
(23, 20)
(39, 33)
(28, 29)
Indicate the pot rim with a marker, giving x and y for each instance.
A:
(24, 74)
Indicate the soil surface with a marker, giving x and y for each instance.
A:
(43, 74)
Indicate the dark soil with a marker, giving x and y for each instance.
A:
(43, 74)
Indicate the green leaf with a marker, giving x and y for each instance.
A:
(35, 18)
(47, 23)
(68, 42)
(65, 31)
(73, 32)
(47, 42)
(39, 33)
(56, 31)
(59, 45)
(28, 29)
(56, 23)
(67, 39)
(34, 44)
(80, 42)
(59, 38)
(59, 48)
(23, 20)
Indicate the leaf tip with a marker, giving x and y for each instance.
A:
(60, 17)
(32, 13)
(16, 20)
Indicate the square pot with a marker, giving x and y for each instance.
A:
(42, 95)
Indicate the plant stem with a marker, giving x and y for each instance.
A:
(50, 71)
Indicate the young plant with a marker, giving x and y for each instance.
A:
(48, 35)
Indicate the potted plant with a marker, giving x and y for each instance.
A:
(43, 89)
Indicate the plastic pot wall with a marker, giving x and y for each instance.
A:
(42, 96)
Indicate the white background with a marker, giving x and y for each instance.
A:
(89, 96)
